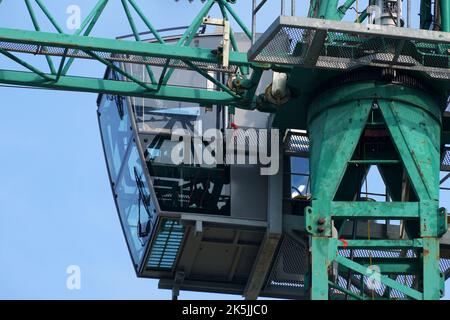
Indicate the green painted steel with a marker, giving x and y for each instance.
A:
(87, 24)
(377, 210)
(27, 65)
(190, 32)
(143, 49)
(382, 278)
(38, 28)
(445, 14)
(137, 36)
(384, 244)
(347, 292)
(432, 277)
(406, 266)
(342, 10)
(124, 88)
(322, 256)
(336, 121)
(81, 45)
(328, 9)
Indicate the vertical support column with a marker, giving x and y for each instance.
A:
(334, 130)
(431, 274)
(422, 163)
(430, 232)
(445, 13)
(275, 200)
(269, 245)
(318, 223)
(320, 266)
(335, 125)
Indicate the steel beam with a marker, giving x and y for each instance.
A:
(376, 210)
(406, 266)
(123, 88)
(261, 266)
(382, 278)
(268, 248)
(336, 128)
(445, 13)
(143, 49)
(382, 244)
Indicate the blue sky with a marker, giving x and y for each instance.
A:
(56, 207)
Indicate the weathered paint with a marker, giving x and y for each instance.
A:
(336, 120)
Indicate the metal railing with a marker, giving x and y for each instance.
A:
(257, 6)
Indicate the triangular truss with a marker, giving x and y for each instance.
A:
(112, 52)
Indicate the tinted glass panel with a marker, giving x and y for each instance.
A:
(136, 208)
(115, 127)
(199, 187)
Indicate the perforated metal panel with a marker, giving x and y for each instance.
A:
(358, 282)
(296, 143)
(446, 160)
(165, 248)
(380, 289)
(290, 267)
(362, 253)
(337, 45)
(74, 53)
(445, 267)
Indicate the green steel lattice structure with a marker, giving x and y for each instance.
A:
(336, 121)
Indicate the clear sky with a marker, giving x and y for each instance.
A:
(56, 206)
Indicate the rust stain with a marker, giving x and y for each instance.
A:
(413, 154)
(426, 252)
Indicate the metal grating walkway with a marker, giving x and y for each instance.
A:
(166, 246)
(318, 43)
(446, 160)
(381, 290)
(55, 51)
(290, 267)
(297, 144)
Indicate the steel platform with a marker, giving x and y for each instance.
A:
(318, 43)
